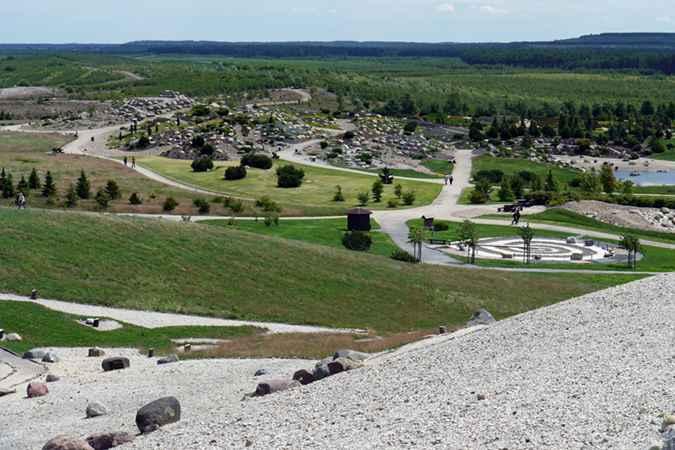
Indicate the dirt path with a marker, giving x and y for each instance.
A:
(149, 319)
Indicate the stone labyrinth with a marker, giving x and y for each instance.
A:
(558, 250)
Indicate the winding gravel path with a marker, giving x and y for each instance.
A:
(149, 319)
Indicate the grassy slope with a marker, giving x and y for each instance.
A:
(21, 152)
(41, 327)
(190, 268)
(511, 166)
(315, 194)
(327, 232)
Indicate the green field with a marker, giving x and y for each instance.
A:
(669, 155)
(327, 232)
(465, 197)
(440, 166)
(511, 166)
(192, 268)
(42, 327)
(315, 196)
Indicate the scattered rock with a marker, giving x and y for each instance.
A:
(95, 353)
(168, 359)
(668, 420)
(51, 378)
(261, 372)
(304, 377)
(481, 317)
(481, 397)
(4, 392)
(67, 443)
(351, 354)
(36, 389)
(272, 386)
(13, 337)
(321, 371)
(50, 357)
(34, 354)
(116, 363)
(157, 414)
(104, 441)
(442, 330)
(669, 439)
(96, 409)
(343, 365)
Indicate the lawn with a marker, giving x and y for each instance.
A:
(440, 166)
(315, 195)
(511, 166)
(669, 154)
(21, 152)
(465, 197)
(208, 270)
(42, 327)
(327, 232)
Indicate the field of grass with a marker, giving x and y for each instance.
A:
(42, 327)
(511, 166)
(315, 195)
(197, 269)
(327, 232)
(465, 197)
(440, 166)
(21, 152)
(669, 154)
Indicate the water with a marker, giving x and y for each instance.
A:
(651, 178)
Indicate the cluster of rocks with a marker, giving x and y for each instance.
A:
(141, 108)
(659, 219)
(41, 355)
(9, 337)
(341, 361)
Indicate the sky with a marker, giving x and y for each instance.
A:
(117, 21)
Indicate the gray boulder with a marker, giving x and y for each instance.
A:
(261, 372)
(304, 377)
(116, 363)
(34, 354)
(105, 441)
(95, 353)
(321, 371)
(51, 378)
(669, 439)
(157, 414)
(13, 337)
(168, 359)
(272, 386)
(96, 409)
(50, 357)
(351, 354)
(67, 443)
(343, 365)
(481, 317)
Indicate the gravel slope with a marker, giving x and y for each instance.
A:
(594, 372)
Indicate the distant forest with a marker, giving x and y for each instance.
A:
(645, 52)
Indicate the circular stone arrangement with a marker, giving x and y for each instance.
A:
(544, 249)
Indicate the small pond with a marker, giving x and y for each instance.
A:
(647, 178)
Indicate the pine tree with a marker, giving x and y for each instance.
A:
(71, 197)
(83, 187)
(550, 185)
(34, 180)
(113, 190)
(23, 184)
(49, 188)
(8, 187)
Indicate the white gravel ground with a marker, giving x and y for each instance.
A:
(591, 373)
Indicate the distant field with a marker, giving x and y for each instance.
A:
(191, 268)
(511, 166)
(315, 195)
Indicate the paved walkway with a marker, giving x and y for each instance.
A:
(147, 319)
(15, 371)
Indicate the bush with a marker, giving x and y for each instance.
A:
(257, 161)
(408, 198)
(402, 255)
(202, 164)
(202, 205)
(207, 150)
(493, 176)
(237, 206)
(170, 204)
(339, 196)
(359, 241)
(113, 190)
(289, 177)
(441, 226)
(267, 205)
(478, 198)
(135, 199)
(235, 173)
(102, 198)
(272, 219)
(363, 198)
(392, 203)
(539, 197)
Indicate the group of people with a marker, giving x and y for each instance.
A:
(133, 162)
(448, 179)
(20, 200)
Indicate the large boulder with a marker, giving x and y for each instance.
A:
(261, 372)
(168, 359)
(51, 378)
(321, 371)
(34, 354)
(351, 354)
(13, 337)
(304, 377)
(96, 409)
(67, 443)
(116, 363)
(50, 357)
(481, 317)
(104, 441)
(157, 414)
(343, 365)
(36, 389)
(272, 386)
(95, 353)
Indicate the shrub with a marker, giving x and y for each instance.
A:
(49, 188)
(378, 189)
(363, 198)
(392, 203)
(202, 205)
(207, 150)
(359, 241)
(237, 206)
(441, 226)
(402, 255)
(398, 190)
(71, 197)
(267, 205)
(257, 161)
(493, 176)
(339, 196)
(203, 164)
(170, 204)
(235, 173)
(83, 187)
(408, 198)
(477, 197)
(289, 177)
(135, 199)
(113, 190)
(272, 219)
(102, 198)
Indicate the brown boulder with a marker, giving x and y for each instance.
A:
(304, 377)
(104, 441)
(67, 443)
(36, 389)
(272, 386)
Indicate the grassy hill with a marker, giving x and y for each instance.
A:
(192, 268)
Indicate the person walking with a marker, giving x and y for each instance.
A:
(133, 162)
(452, 180)
(20, 200)
(125, 161)
(516, 217)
